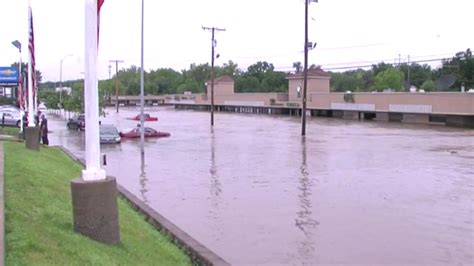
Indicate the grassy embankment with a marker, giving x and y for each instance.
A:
(38, 214)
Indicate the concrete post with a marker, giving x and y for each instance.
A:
(95, 212)
(32, 138)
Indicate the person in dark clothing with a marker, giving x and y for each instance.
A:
(44, 130)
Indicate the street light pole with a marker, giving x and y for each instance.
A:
(19, 93)
(61, 81)
(142, 93)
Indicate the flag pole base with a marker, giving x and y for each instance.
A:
(95, 211)
(32, 138)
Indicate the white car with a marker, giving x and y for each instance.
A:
(10, 118)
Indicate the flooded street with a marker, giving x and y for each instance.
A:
(255, 192)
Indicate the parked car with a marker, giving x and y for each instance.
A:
(109, 134)
(77, 122)
(10, 118)
(9, 108)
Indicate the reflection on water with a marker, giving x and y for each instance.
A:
(143, 188)
(143, 179)
(215, 190)
(305, 221)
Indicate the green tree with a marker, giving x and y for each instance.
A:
(428, 85)
(418, 73)
(298, 67)
(380, 67)
(461, 66)
(389, 78)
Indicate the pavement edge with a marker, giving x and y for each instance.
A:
(2, 207)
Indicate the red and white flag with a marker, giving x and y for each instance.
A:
(31, 49)
(99, 4)
(21, 94)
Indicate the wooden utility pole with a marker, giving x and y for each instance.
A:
(213, 29)
(305, 70)
(116, 82)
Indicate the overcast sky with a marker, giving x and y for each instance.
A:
(348, 32)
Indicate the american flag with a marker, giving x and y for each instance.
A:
(99, 4)
(31, 48)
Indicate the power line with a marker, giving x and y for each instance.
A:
(362, 66)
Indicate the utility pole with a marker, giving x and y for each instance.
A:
(116, 81)
(213, 29)
(305, 69)
(408, 73)
(110, 67)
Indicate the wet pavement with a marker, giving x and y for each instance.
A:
(255, 192)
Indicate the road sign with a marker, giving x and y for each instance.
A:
(8, 76)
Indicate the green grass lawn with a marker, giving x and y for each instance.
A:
(38, 218)
(12, 131)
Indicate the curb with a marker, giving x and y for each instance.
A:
(198, 253)
(2, 207)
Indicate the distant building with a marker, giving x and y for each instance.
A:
(318, 81)
(222, 85)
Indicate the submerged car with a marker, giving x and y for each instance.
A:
(149, 133)
(109, 134)
(146, 117)
(77, 122)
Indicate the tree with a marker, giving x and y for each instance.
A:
(24, 71)
(259, 69)
(230, 68)
(418, 73)
(461, 67)
(428, 85)
(380, 67)
(297, 66)
(389, 79)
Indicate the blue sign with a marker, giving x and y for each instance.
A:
(8, 76)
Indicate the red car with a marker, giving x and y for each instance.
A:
(146, 117)
(149, 133)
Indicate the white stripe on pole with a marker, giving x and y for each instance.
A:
(93, 171)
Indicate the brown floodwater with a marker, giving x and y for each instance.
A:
(257, 193)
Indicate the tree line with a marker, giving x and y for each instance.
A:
(262, 77)
(454, 73)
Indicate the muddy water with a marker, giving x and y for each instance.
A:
(252, 190)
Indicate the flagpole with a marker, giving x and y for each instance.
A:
(94, 195)
(31, 118)
(93, 171)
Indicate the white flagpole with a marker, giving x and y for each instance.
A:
(93, 171)
(31, 111)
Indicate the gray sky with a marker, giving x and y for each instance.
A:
(348, 32)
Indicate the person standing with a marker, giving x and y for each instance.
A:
(44, 130)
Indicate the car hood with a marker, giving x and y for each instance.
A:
(109, 135)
